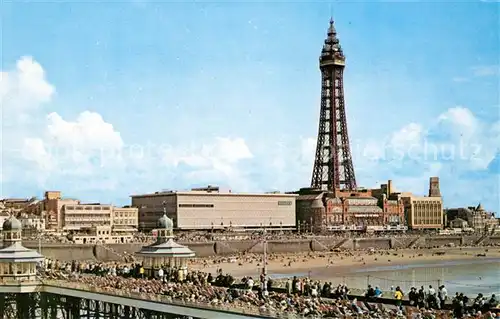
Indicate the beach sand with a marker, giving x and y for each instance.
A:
(322, 265)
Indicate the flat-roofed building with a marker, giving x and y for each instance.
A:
(80, 216)
(125, 219)
(54, 205)
(209, 208)
(423, 212)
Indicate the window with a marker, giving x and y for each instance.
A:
(196, 205)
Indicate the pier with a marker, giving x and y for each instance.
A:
(55, 299)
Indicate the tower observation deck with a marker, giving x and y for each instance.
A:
(333, 168)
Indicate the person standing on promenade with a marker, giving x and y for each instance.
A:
(161, 274)
(431, 297)
(398, 294)
(443, 295)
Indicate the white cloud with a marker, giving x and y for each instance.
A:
(35, 150)
(458, 144)
(88, 131)
(78, 145)
(485, 70)
(459, 116)
(408, 135)
(25, 87)
(88, 152)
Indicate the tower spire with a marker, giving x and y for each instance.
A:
(333, 168)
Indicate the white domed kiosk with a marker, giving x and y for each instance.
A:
(165, 252)
(17, 263)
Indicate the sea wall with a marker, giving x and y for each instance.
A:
(228, 248)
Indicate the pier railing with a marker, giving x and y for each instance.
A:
(151, 297)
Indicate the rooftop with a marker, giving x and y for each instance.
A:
(211, 193)
(18, 253)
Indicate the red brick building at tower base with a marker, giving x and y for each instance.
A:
(361, 210)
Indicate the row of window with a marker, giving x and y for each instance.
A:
(87, 208)
(197, 205)
(87, 216)
(83, 223)
(124, 221)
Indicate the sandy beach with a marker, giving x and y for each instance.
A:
(322, 265)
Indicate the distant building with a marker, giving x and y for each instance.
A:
(209, 208)
(475, 216)
(459, 223)
(100, 235)
(424, 212)
(70, 215)
(16, 203)
(125, 219)
(32, 221)
(362, 210)
(54, 204)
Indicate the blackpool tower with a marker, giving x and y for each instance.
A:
(333, 167)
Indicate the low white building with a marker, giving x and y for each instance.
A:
(33, 222)
(100, 235)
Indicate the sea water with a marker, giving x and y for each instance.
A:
(468, 276)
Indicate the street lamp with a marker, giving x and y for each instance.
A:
(264, 260)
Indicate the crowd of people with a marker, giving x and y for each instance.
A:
(300, 296)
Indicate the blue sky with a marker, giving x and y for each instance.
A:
(102, 100)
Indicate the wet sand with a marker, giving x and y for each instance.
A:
(336, 264)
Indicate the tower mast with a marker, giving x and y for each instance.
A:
(333, 168)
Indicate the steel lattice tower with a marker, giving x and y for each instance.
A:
(333, 167)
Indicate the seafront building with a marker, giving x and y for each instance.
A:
(474, 217)
(211, 208)
(361, 210)
(425, 212)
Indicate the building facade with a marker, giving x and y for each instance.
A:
(70, 215)
(424, 212)
(212, 209)
(475, 216)
(54, 206)
(75, 217)
(125, 219)
(361, 210)
(32, 221)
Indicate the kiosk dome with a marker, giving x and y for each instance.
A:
(12, 224)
